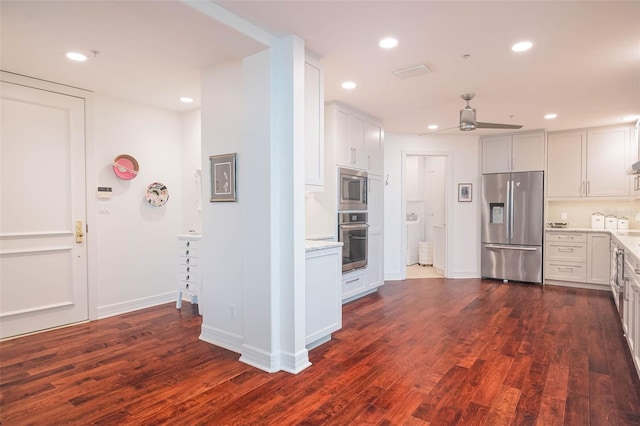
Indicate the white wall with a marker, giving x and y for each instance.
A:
(191, 163)
(222, 239)
(136, 242)
(463, 250)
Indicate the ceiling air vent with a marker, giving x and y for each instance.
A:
(412, 71)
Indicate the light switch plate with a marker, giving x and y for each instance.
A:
(564, 216)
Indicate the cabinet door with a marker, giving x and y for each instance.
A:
(341, 137)
(374, 271)
(566, 154)
(496, 154)
(314, 146)
(606, 165)
(598, 258)
(375, 204)
(373, 145)
(356, 142)
(527, 152)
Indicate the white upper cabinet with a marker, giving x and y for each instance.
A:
(373, 146)
(314, 125)
(590, 163)
(357, 138)
(513, 153)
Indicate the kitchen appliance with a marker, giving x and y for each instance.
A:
(353, 233)
(512, 226)
(352, 189)
(618, 284)
(468, 118)
(610, 222)
(597, 221)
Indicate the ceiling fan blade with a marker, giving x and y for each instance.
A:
(480, 125)
(437, 131)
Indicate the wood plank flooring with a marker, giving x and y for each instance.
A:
(419, 352)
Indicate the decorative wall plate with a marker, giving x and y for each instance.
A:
(157, 194)
(125, 167)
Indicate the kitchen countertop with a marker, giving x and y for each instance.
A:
(580, 230)
(312, 245)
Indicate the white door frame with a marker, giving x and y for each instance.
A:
(90, 181)
(448, 172)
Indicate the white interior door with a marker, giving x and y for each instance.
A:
(43, 269)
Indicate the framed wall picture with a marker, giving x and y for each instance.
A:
(464, 192)
(223, 177)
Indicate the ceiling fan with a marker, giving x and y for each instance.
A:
(468, 118)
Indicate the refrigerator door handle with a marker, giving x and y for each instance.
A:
(511, 201)
(508, 212)
(511, 248)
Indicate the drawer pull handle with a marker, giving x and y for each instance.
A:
(561, 237)
(188, 243)
(187, 277)
(566, 268)
(187, 285)
(352, 281)
(188, 268)
(187, 261)
(187, 252)
(566, 249)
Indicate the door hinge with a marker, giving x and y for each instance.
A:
(86, 228)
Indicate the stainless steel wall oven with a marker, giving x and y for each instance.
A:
(353, 233)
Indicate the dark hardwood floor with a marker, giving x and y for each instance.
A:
(435, 351)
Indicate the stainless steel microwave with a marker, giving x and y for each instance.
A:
(352, 188)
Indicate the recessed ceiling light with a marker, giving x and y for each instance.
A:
(75, 56)
(186, 99)
(388, 43)
(631, 118)
(521, 46)
(550, 116)
(432, 126)
(349, 85)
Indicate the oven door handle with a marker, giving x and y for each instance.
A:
(361, 226)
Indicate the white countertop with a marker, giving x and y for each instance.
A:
(580, 230)
(312, 245)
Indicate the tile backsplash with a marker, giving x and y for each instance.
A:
(579, 212)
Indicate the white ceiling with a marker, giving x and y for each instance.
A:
(584, 65)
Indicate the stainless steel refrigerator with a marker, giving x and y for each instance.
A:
(512, 226)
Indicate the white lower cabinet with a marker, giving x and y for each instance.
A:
(323, 306)
(631, 313)
(577, 257)
(354, 283)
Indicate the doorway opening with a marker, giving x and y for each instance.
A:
(425, 212)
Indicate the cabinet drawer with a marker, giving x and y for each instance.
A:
(189, 252)
(565, 251)
(352, 285)
(574, 237)
(192, 277)
(188, 244)
(187, 261)
(565, 271)
(189, 287)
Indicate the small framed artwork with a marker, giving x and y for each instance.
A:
(223, 177)
(464, 192)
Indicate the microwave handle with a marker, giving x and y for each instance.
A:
(365, 190)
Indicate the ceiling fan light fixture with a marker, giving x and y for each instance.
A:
(522, 46)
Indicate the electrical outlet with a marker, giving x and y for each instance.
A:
(564, 216)
(232, 311)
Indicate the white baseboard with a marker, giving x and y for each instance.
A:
(393, 276)
(230, 341)
(258, 358)
(587, 286)
(294, 363)
(136, 304)
(465, 274)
